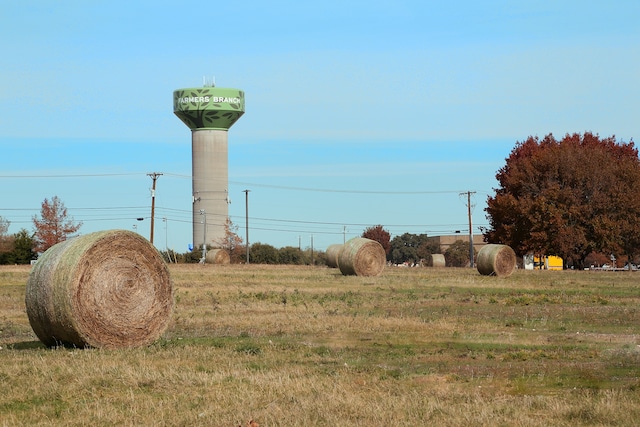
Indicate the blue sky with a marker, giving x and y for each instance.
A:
(357, 113)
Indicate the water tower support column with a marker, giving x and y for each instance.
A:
(209, 112)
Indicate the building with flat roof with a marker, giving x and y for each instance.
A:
(446, 241)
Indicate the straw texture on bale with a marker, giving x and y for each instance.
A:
(218, 256)
(437, 260)
(109, 289)
(361, 257)
(496, 260)
(332, 254)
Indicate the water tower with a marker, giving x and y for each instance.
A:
(209, 112)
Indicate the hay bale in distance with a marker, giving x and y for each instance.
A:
(332, 254)
(218, 257)
(437, 260)
(496, 260)
(109, 289)
(362, 257)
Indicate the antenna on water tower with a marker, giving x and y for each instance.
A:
(208, 83)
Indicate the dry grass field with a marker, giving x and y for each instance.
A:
(306, 346)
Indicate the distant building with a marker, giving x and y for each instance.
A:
(446, 241)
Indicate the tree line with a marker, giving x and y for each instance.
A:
(577, 198)
(54, 226)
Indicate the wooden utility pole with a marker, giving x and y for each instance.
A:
(154, 176)
(469, 193)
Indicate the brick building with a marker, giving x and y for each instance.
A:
(446, 241)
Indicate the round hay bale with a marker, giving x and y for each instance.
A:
(332, 254)
(496, 260)
(437, 260)
(218, 256)
(109, 289)
(361, 257)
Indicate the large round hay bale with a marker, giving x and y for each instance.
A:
(218, 257)
(109, 289)
(332, 254)
(361, 257)
(496, 260)
(438, 260)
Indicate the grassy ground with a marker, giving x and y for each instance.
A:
(307, 346)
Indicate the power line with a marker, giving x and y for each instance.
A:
(281, 187)
(115, 213)
(71, 175)
(100, 211)
(324, 190)
(78, 209)
(345, 223)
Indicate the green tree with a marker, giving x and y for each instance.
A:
(54, 225)
(568, 198)
(457, 254)
(380, 235)
(291, 255)
(319, 258)
(404, 248)
(262, 253)
(426, 249)
(22, 252)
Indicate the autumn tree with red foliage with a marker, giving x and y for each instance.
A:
(380, 235)
(568, 198)
(54, 226)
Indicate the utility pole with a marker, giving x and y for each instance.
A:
(246, 203)
(204, 237)
(469, 193)
(154, 176)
